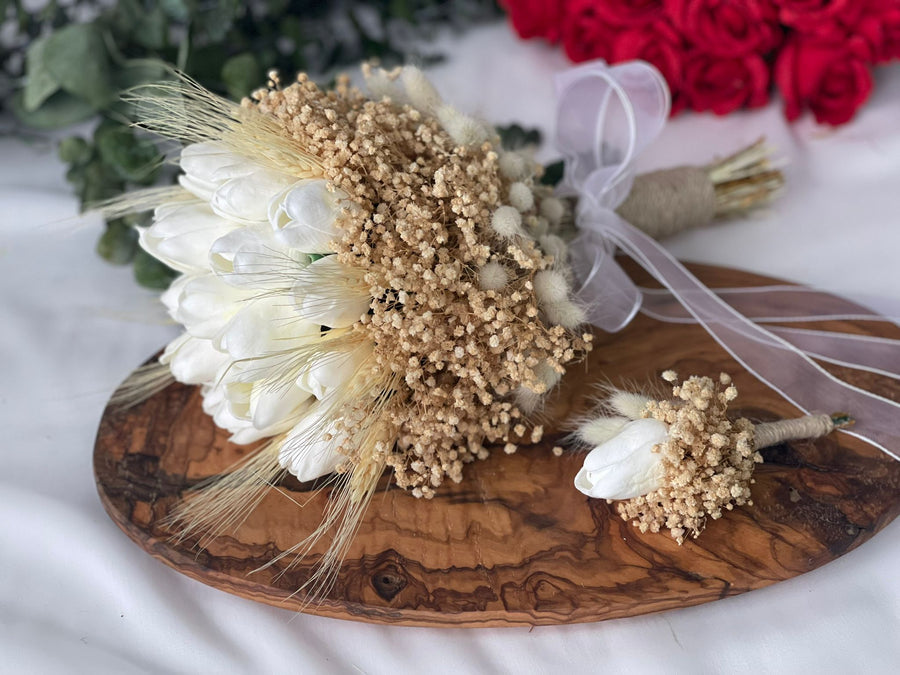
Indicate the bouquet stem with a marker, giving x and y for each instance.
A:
(664, 203)
(806, 427)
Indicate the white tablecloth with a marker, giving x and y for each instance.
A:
(77, 596)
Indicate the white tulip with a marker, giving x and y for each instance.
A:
(251, 300)
(625, 466)
(276, 408)
(237, 188)
(193, 360)
(265, 326)
(304, 215)
(217, 405)
(203, 304)
(270, 410)
(245, 199)
(331, 370)
(207, 165)
(310, 450)
(182, 233)
(328, 293)
(253, 257)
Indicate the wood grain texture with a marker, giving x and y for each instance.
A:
(515, 543)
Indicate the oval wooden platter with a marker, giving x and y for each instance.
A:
(515, 543)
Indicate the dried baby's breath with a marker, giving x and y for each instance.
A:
(708, 460)
(420, 232)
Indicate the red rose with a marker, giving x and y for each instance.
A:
(722, 84)
(727, 27)
(535, 18)
(831, 79)
(659, 44)
(880, 28)
(630, 12)
(819, 16)
(586, 34)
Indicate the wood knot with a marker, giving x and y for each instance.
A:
(388, 581)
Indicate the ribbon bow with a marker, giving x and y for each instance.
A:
(605, 117)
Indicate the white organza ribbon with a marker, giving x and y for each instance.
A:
(605, 117)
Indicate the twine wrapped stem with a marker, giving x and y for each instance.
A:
(807, 427)
(666, 202)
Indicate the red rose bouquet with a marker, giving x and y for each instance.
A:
(722, 55)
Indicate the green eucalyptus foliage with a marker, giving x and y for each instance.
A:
(70, 62)
(517, 137)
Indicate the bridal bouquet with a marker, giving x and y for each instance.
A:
(370, 282)
(721, 56)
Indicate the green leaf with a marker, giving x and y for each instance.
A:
(77, 58)
(141, 71)
(39, 82)
(215, 19)
(515, 137)
(132, 159)
(553, 173)
(125, 16)
(74, 150)
(401, 9)
(133, 73)
(99, 182)
(154, 29)
(241, 75)
(119, 243)
(177, 10)
(150, 272)
(205, 65)
(60, 110)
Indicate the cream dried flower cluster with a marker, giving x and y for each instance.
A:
(672, 464)
(371, 281)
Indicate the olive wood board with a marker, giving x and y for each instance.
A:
(515, 543)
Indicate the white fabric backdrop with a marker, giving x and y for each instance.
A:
(77, 596)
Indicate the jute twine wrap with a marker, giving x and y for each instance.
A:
(809, 426)
(662, 203)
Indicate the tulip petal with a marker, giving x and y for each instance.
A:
(276, 407)
(204, 304)
(207, 165)
(267, 325)
(332, 370)
(310, 450)
(304, 216)
(625, 466)
(245, 199)
(253, 257)
(193, 360)
(216, 405)
(328, 293)
(181, 235)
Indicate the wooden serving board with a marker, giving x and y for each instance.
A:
(515, 543)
